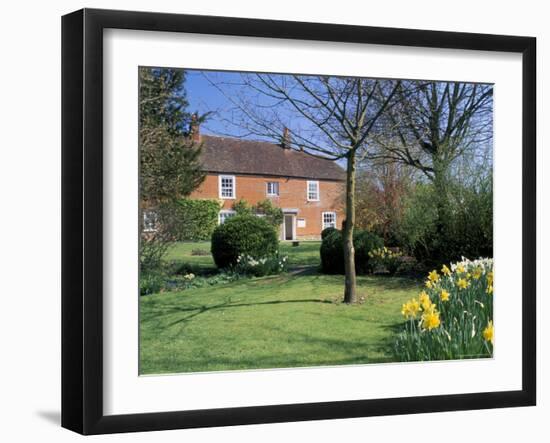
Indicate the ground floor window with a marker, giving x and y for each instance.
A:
(329, 220)
(150, 221)
(224, 215)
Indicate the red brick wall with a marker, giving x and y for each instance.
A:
(292, 195)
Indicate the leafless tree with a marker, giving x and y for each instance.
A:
(434, 124)
(328, 117)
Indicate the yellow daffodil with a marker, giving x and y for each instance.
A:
(433, 276)
(429, 284)
(430, 320)
(411, 308)
(489, 332)
(444, 295)
(424, 299)
(462, 283)
(489, 289)
(477, 273)
(490, 278)
(425, 302)
(445, 270)
(460, 269)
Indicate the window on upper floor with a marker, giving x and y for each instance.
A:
(313, 191)
(272, 189)
(329, 220)
(227, 186)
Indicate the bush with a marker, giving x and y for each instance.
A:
(197, 219)
(467, 229)
(364, 242)
(243, 235)
(332, 251)
(151, 283)
(386, 258)
(326, 232)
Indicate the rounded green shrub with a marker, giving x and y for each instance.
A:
(243, 235)
(325, 232)
(332, 251)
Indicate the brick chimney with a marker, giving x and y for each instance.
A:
(286, 140)
(195, 129)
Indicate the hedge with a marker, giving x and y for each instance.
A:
(197, 219)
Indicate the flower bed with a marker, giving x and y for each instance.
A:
(452, 318)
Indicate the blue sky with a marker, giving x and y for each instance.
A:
(204, 97)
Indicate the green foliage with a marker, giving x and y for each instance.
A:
(471, 227)
(241, 207)
(151, 282)
(418, 228)
(169, 161)
(193, 281)
(197, 219)
(364, 242)
(163, 99)
(265, 208)
(243, 235)
(466, 230)
(386, 258)
(273, 215)
(326, 232)
(332, 251)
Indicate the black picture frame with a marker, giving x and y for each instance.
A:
(82, 215)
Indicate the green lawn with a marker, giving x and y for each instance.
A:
(305, 254)
(295, 319)
(270, 322)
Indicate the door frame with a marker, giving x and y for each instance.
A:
(285, 215)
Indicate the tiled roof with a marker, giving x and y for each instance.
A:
(238, 156)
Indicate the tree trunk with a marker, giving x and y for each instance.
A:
(350, 292)
(440, 183)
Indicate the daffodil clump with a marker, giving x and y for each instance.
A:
(386, 258)
(452, 317)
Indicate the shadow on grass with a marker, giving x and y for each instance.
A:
(393, 283)
(228, 305)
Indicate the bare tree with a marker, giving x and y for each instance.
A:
(432, 125)
(328, 117)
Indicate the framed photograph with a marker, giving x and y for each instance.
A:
(269, 221)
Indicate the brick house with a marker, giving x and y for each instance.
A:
(308, 189)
